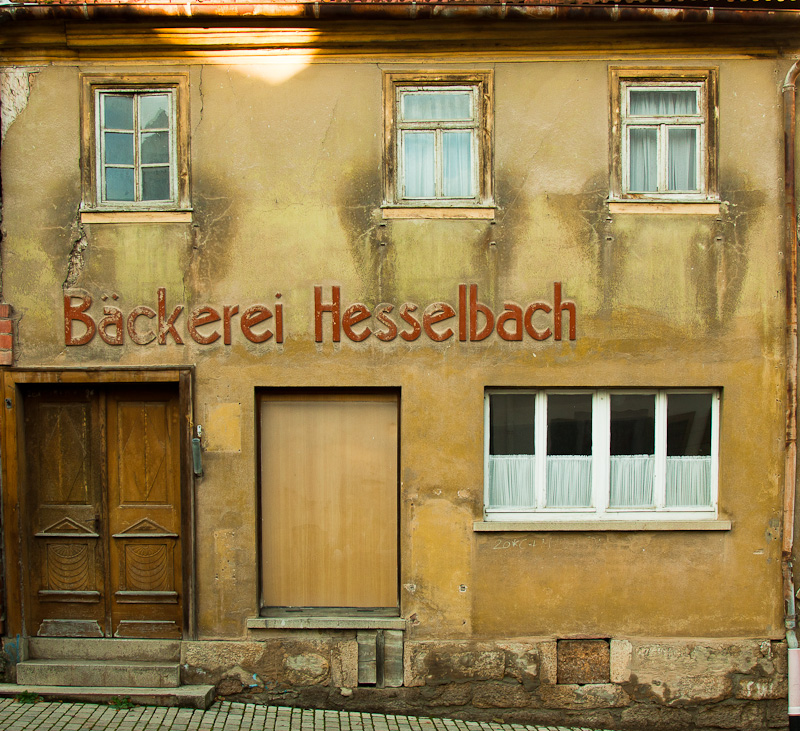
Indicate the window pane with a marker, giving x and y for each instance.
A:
(643, 159)
(682, 158)
(155, 147)
(633, 423)
(569, 450)
(512, 481)
(119, 184)
(418, 165)
(457, 164)
(118, 111)
(154, 111)
(118, 148)
(689, 424)
(689, 450)
(511, 423)
(439, 106)
(155, 184)
(662, 102)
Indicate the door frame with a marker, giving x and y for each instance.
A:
(12, 447)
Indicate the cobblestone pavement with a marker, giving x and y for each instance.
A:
(15, 716)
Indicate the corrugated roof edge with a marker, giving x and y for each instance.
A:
(683, 11)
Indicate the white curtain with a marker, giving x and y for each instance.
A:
(682, 158)
(418, 165)
(457, 164)
(569, 481)
(688, 481)
(511, 481)
(643, 150)
(443, 106)
(632, 481)
(662, 102)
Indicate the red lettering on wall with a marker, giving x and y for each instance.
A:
(278, 320)
(462, 313)
(474, 308)
(437, 312)
(319, 309)
(529, 313)
(167, 327)
(253, 316)
(113, 318)
(382, 315)
(228, 311)
(352, 316)
(405, 315)
(558, 308)
(72, 313)
(511, 313)
(198, 317)
(133, 333)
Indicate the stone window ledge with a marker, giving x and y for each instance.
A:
(306, 622)
(143, 216)
(542, 526)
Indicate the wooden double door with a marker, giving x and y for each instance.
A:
(102, 511)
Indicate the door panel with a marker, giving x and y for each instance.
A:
(144, 513)
(103, 493)
(64, 502)
(329, 500)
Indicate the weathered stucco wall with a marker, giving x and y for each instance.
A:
(286, 189)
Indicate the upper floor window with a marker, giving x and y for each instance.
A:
(135, 143)
(602, 454)
(438, 139)
(664, 135)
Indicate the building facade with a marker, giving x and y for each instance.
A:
(429, 358)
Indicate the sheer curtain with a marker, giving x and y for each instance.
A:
(569, 481)
(632, 481)
(418, 165)
(512, 481)
(688, 481)
(419, 155)
(644, 159)
(457, 164)
(682, 158)
(681, 141)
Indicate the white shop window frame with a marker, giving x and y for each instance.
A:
(601, 443)
(137, 204)
(662, 124)
(438, 127)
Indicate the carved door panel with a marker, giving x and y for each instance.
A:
(103, 511)
(144, 513)
(64, 511)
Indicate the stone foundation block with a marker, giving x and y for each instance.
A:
(605, 695)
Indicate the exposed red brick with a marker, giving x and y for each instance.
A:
(6, 358)
(6, 342)
(6, 326)
(5, 310)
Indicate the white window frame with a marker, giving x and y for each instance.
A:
(138, 166)
(601, 443)
(437, 127)
(662, 124)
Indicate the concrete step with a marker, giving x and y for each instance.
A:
(101, 673)
(65, 648)
(187, 696)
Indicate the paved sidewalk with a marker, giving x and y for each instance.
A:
(223, 716)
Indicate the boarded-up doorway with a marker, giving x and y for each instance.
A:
(102, 506)
(329, 500)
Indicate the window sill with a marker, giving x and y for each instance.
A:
(306, 622)
(711, 208)
(486, 526)
(136, 216)
(485, 213)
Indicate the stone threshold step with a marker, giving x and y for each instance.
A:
(186, 696)
(103, 673)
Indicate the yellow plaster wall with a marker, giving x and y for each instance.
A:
(286, 189)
